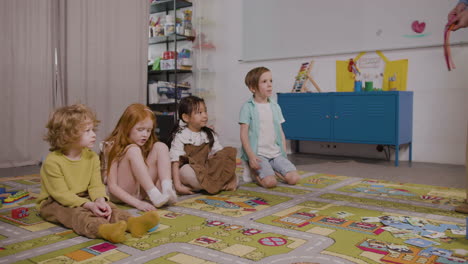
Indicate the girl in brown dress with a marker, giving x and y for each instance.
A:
(199, 162)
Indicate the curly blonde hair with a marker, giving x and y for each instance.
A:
(120, 136)
(66, 124)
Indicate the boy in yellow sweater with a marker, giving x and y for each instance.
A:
(72, 192)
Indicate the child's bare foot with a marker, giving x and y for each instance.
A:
(231, 186)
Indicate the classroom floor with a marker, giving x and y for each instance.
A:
(262, 214)
(419, 172)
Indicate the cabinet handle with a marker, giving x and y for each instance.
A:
(336, 117)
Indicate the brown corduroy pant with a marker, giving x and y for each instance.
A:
(80, 219)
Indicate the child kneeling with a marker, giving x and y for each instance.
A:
(261, 134)
(72, 193)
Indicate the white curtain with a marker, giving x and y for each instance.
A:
(106, 56)
(26, 79)
(101, 61)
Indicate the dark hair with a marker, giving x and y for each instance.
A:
(253, 76)
(187, 106)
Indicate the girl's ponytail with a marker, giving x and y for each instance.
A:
(177, 127)
(210, 133)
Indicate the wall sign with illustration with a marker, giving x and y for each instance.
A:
(375, 72)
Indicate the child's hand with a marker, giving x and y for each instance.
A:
(145, 206)
(104, 207)
(461, 20)
(254, 163)
(93, 207)
(455, 11)
(182, 189)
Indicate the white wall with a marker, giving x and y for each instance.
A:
(440, 111)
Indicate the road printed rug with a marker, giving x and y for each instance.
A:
(323, 219)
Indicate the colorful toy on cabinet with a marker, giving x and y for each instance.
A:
(300, 84)
(384, 74)
(352, 68)
(392, 83)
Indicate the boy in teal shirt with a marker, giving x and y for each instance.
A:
(262, 137)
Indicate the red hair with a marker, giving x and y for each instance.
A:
(120, 136)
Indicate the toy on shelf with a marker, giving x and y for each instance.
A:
(16, 197)
(168, 89)
(21, 212)
(184, 60)
(155, 28)
(352, 67)
(187, 23)
(203, 43)
(300, 85)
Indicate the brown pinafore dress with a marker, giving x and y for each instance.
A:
(215, 173)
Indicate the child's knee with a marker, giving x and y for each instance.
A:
(268, 181)
(188, 177)
(159, 146)
(132, 152)
(292, 177)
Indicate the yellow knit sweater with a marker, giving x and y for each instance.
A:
(63, 179)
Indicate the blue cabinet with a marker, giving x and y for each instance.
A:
(384, 118)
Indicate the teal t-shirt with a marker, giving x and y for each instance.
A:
(249, 115)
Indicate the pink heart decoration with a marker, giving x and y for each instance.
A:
(418, 27)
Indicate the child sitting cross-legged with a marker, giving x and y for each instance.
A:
(199, 162)
(72, 193)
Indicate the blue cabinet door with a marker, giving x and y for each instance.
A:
(308, 116)
(365, 118)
